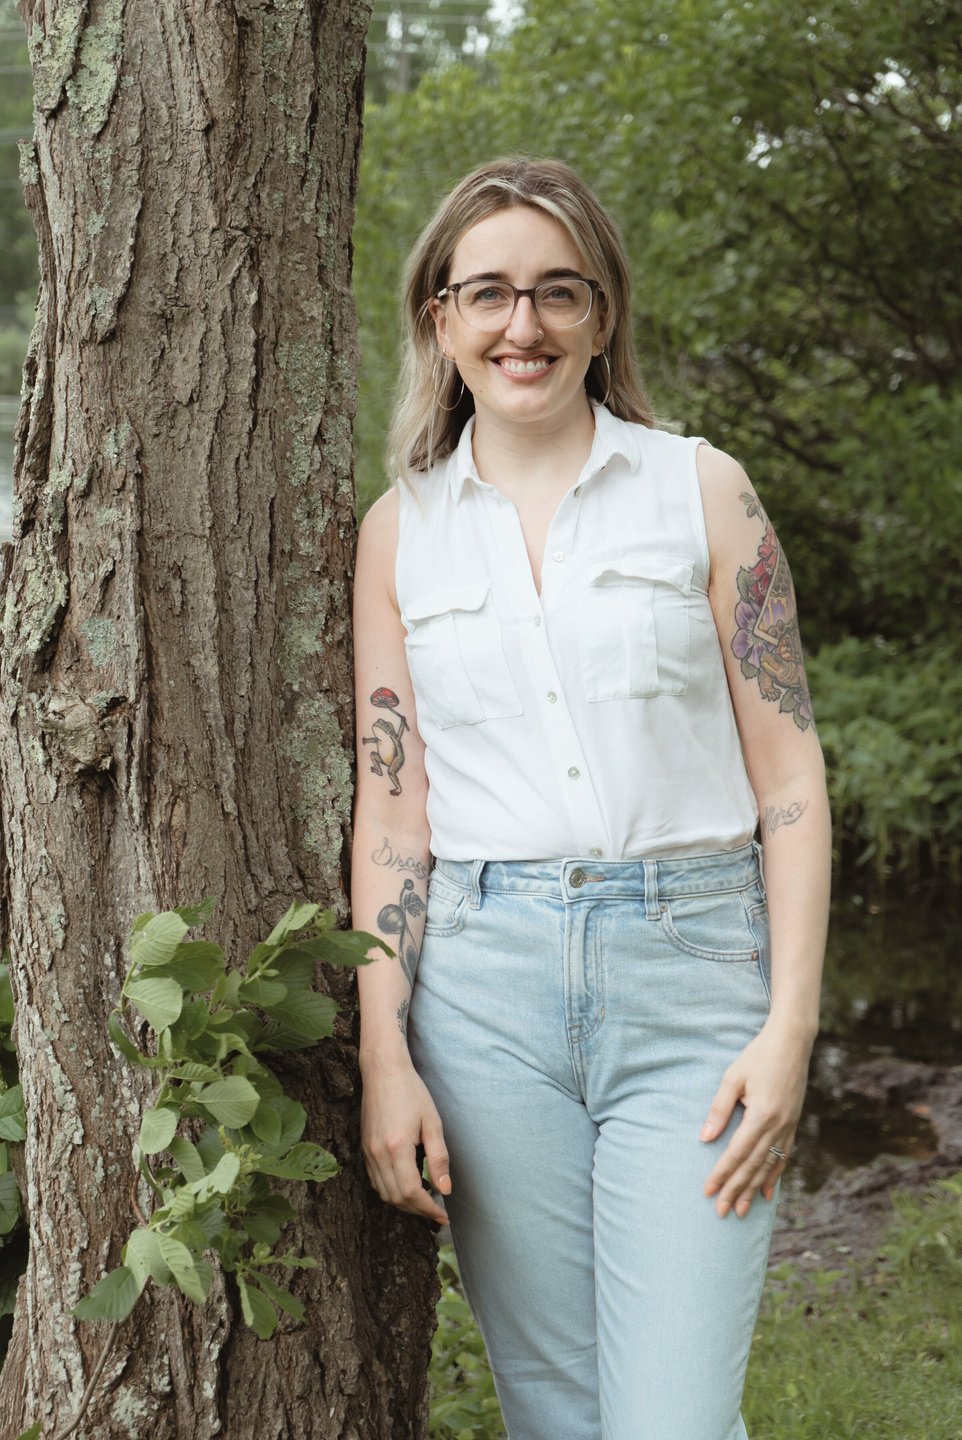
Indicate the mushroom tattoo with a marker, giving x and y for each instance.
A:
(387, 757)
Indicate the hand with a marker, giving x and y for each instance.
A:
(768, 1077)
(398, 1115)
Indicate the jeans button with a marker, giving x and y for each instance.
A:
(577, 878)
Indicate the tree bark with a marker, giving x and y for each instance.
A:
(175, 705)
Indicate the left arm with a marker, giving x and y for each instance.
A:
(753, 601)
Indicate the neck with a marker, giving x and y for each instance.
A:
(546, 450)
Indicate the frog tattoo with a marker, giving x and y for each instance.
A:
(387, 757)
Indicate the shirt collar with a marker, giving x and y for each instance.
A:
(613, 437)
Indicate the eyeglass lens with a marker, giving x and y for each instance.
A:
(488, 304)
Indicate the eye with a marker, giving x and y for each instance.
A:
(557, 294)
(485, 294)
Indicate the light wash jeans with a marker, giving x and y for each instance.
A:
(572, 1020)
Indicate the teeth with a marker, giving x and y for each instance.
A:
(524, 367)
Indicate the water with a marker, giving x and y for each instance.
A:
(891, 989)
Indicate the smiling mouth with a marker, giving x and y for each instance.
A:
(523, 367)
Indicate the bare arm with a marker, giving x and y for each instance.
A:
(753, 601)
(390, 865)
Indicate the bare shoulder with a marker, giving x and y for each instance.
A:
(721, 477)
(379, 528)
(377, 549)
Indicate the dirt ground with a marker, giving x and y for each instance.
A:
(845, 1218)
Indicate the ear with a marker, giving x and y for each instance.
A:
(439, 316)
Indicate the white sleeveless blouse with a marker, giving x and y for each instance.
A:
(596, 719)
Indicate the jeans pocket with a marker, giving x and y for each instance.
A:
(447, 907)
(718, 927)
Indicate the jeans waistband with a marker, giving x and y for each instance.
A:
(586, 879)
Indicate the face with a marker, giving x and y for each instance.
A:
(526, 372)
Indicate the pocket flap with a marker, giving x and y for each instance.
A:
(442, 602)
(641, 566)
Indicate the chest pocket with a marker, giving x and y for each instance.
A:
(456, 657)
(634, 626)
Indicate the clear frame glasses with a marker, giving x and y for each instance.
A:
(490, 304)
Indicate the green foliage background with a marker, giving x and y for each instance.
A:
(788, 178)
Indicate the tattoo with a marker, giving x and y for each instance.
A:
(394, 920)
(392, 859)
(776, 816)
(402, 1016)
(766, 636)
(387, 757)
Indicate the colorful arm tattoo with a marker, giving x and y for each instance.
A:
(387, 757)
(766, 639)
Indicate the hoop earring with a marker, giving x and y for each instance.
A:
(434, 386)
(604, 356)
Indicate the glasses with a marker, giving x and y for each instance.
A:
(490, 304)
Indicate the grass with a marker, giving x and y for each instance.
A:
(875, 1350)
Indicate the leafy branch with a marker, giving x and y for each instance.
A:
(221, 1127)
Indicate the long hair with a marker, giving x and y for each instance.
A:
(433, 406)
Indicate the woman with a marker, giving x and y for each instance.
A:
(579, 686)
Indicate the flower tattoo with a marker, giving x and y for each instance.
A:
(766, 636)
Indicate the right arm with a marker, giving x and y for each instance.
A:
(390, 862)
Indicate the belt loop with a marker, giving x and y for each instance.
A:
(760, 857)
(651, 889)
(474, 883)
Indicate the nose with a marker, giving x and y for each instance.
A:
(524, 328)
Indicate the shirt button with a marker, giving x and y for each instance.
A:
(537, 620)
(559, 555)
(595, 850)
(574, 772)
(552, 697)
(577, 491)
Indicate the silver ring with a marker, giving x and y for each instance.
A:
(779, 1154)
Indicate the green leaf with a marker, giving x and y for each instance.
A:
(192, 1275)
(283, 1299)
(221, 1179)
(266, 1123)
(9, 1203)
(259, 991)
(112, 1298)
(127, 1047)
(232, 1102)
(156, 942)
(197, 965)
(308, 1015)
(297, 918)
(187, 1158)
(12, 1123)
(144, 1258)
(304, 1162)
(6, 997)
(160, 1001)
(197, 914)
(257, 1310)
(34, 1433)
(345, 947)
(193, 1070)
(157, 1129)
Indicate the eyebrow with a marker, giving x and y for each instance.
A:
(562, 273)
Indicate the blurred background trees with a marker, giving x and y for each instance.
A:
(788, 179)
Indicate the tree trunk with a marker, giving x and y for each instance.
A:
(175, 673)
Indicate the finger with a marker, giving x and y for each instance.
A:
(408, 1192)
(760, 1168)
(721, 1108)
(437, 1156)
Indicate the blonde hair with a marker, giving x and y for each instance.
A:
(433, 407)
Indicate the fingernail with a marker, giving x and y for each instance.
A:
(708, 1131)
(723, 1208)
(444, 1184)
(741, 1209)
